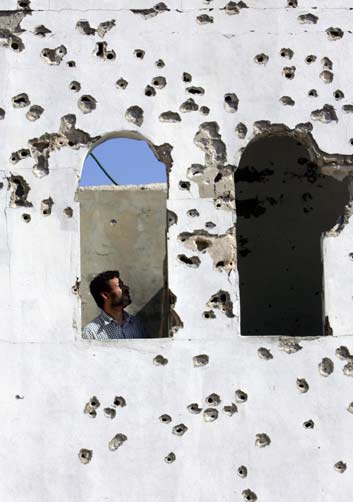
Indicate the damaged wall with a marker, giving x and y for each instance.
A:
(212, 415)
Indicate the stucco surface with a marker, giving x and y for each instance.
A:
(45, 363)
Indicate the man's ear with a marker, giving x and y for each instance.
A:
(104, 295)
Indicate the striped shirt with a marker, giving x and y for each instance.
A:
(104, 327)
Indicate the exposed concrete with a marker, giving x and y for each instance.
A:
(124, 228)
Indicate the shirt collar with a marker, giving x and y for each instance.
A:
(107, 319)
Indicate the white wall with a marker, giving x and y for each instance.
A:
(43, 359)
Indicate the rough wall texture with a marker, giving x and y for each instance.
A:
(240, 418)
(124, 228)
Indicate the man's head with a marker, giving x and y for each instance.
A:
(109, 291)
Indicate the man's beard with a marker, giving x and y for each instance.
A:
(123, 301)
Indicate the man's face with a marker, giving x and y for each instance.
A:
(119, 295)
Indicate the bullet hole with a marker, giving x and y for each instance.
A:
(286, 53)
(87, 103)
(230, 409)
(342, 352)
(347, 108)
(310, 59)
(213, 400)
(26, 217)
(289, 72)
(160, 361)
(109, 413)
(289, 346)
(241, 130)
(204, 19)
(264, 353)
(287, 100)
(91, 407)
(179, 430)
(21, 100)
(34, 113)
(113, 222)
(194, 408)
(308, 424)
(187, 78)
(20, 189)
(292, 3)
(159, 82)
(104, 27)
(160, 63)
(116, 442)
(134, 114)
(338, 95)
(340, 467)
(199, 91)
(326, 114)
(242, 471)
(208, 314)
(19, 155)
(262, 440)
(170, 117)
(102, 52)
(71, 64)
(308, 19)
(41, 31)
(24, 4)
(327, 64)
(54, 56)
(193, 261)
(2, 114)
(326, 367)
(204, 110)
(46, 206)
(121, 83)
(159, 8)
(313, 93)
(210, 224)
(241, 396)
(200, 360)
(350, 408)
(75, 86)
(231, 102)
(149, 91)
(327, 76)
(210, 415)
(85, 28)
(170, 458)
(76, 287)
(139, 53)
(249, 495)
(261, 58)
(184, 185)
(119, 402)
(19, 396)
(165, 419)
(221, 301)
(334, 33)
(85, 455)
(172, 218)
(302, 385)
(189, 106)
(348, 369)
(193, 213)
(233, 8)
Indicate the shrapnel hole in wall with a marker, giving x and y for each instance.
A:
(284, 205)
(124, 227)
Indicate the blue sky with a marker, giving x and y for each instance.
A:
(128, 161)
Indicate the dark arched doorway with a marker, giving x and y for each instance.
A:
(284, 205)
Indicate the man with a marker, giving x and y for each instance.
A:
(112, 297)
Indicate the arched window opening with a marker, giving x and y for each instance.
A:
(123, 227)
(284, 206)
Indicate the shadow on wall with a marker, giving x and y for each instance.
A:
(284, 205)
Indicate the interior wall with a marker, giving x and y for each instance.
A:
(284, 206)
(124, 228)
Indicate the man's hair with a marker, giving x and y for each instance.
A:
(100, 284)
